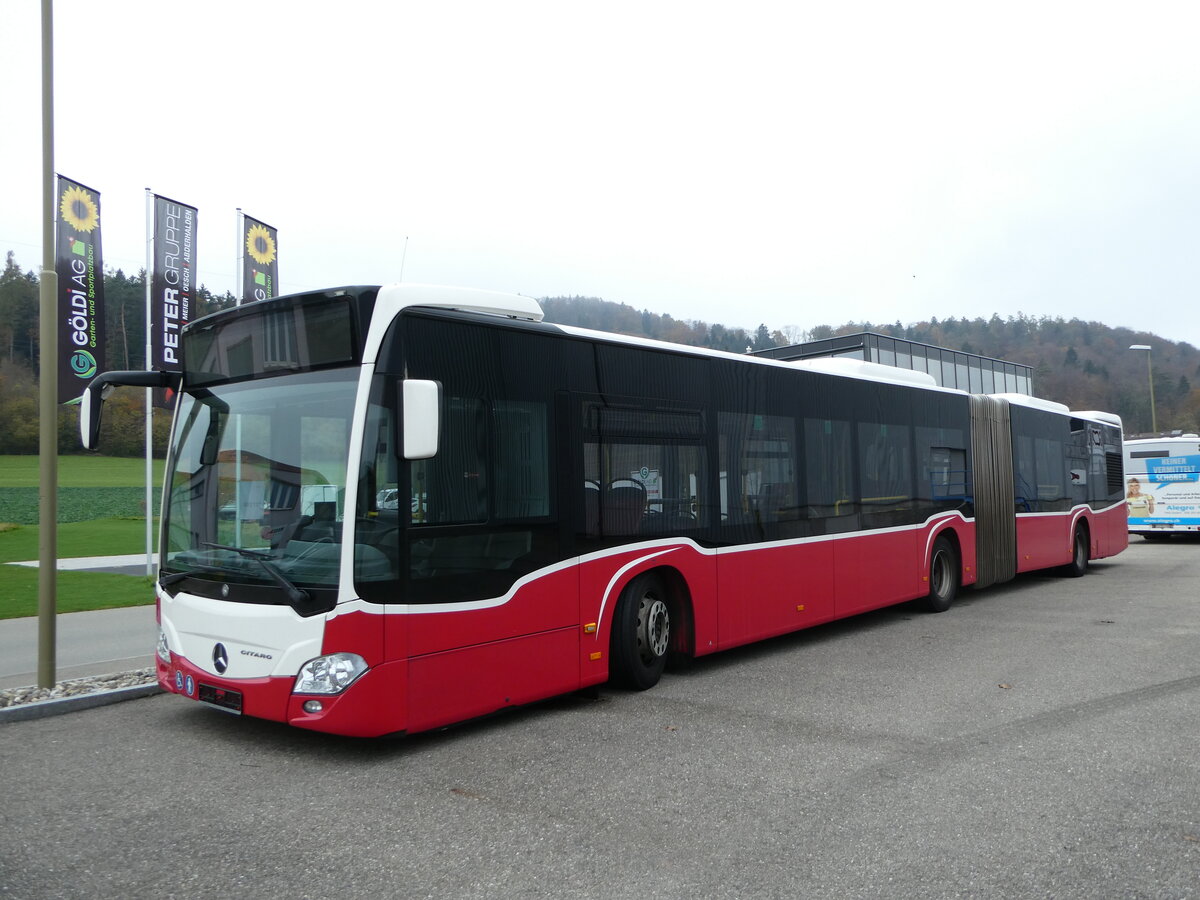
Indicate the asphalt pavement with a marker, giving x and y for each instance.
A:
(100, 642)
(1037, 740)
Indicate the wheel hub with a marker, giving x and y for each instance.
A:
(941, 573)
(654, 628)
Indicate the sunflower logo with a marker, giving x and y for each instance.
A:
(260, 245)
(79, 210)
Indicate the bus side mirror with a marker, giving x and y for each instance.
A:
(90, 405)
(422, 418)
(102, 385)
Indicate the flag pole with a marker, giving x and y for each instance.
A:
(149, 391)
(48, 380)
(241, 257)
(237, 470)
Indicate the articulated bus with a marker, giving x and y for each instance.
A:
(1162, 485)
(388, 509)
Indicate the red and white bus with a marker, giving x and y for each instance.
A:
(388, 509)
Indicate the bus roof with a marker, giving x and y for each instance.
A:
(515, 306)
(857, 368)
(1165, 439)
(393, 298)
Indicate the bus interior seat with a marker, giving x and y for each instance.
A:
(324, 526)
(622, 507)
(667, 523)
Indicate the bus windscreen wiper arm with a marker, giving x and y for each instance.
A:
(294, 594)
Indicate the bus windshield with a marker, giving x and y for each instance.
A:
(258, 475)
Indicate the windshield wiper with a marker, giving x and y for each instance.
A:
(295, 595)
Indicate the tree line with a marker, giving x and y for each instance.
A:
(1086, 365)
(124, 424)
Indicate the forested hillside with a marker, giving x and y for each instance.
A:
(1086, 365)
(124, 423)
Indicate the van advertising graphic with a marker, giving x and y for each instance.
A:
(1167, 492)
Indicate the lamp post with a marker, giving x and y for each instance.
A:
(1150, 373)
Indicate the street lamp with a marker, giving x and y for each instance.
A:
(1150, 372)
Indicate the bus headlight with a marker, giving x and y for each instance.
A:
(164, 651)
(330, 674)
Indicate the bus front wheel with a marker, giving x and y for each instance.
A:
(943, 576)
(641, 633)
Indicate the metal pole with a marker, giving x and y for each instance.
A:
(1150, 373)
(149, 391)
(237, 466)
(1153, 414)
(241, 258)
(48, 393)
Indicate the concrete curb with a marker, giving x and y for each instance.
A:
(46, 708)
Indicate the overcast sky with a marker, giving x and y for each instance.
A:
(789, 163)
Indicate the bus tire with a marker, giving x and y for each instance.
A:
(641, 634)
(1078, 565)
(944, 576)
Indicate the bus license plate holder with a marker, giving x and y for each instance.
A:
(220, 698)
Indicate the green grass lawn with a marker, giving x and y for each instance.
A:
(80, 471)
(97, 537)
(93, 486)
(75, 591)
(89, 487)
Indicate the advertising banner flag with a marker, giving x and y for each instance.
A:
(173, 286)
(260, 269)
(80, 269)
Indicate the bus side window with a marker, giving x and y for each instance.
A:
(1051, 472)
(643, 470)
(941, 467)
(761, 450)
(591, 507)
(828, 471)
(522, 459)
(1026, 483)
(376, 535)
(622, 507)
(451, 488)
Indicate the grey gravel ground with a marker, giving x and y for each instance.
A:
(76, 687)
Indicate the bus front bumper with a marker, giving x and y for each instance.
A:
(371, 706)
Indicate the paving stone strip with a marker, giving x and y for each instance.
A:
(76, 687)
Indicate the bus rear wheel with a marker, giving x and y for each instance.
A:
(944, 576)
(1079, 556)
(641, 633)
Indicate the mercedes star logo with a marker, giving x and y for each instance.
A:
(220, 658)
